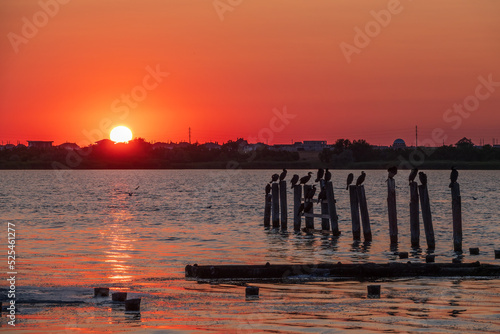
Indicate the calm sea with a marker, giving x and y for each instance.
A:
(76, 230)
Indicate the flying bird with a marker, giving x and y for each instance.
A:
(413, 175)
(350, 178)
(320, 174)
(305, 179)
(361, 178)
(423, 178)
(295, 179)
(274, 178)
(283, 174)
(393, 170)
(328, 175)
(453, 176)
(268, 189)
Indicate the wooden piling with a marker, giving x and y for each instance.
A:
(267, 210)
(373, 291)
(414, 215)
(456, 204)
(391, 209)
(325, 222)
(252, 291)
(353, 195)
(284, 205)
(427, 216)
(309, 219)
(365, 218)
(332, 210)
(297, 200)
(101, 292)
(275, 205)
(133, 305)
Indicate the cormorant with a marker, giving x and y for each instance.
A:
(274, 178)
(393, 170)
(423, 178)
(320, 174)
(308, 206)
(283, 174)
(310, 193)
(295, 179)
(268, 189)
(361, 178)
(305, 179)
(301, 209)
(328, 175)
(413, 175)
(322, 194)
(453, 176)
(350, 178)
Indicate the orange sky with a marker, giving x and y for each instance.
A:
(64, 81)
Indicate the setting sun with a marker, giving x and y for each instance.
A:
(120, 134)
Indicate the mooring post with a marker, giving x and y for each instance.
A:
(309, 220)
(365, 218)
(267, 210)
(297, 200)
(275, 205)
(284, 205)
(325, 222)
(414, 220)
(332, 210)
(456, 203)
(391, 209)
(353, 195)
(427, 216)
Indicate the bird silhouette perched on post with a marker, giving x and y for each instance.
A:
(453, 176)
(423, 178)
(283, 174)
(322, 194)
(361, 178)
(268, 189)
(294, 180)
(310, 194)
(350, 178)
(274, 178)
(413, 175)
(320, 174)
(305, 179)
(328, 175)
(393, 170)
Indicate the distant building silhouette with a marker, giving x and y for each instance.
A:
(39, 144)
(399, 143)
(69, 146)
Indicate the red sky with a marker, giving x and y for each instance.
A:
(226, 76)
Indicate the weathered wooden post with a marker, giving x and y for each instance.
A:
(391, 209)
(414, 215)
(267, 210)
(365, 218)
(275, 205)
(353, 195)
(456, 204)
(325, 222)
(309, 218)
(332, 210)
(284, 205)
(427, 216)
(297, 200)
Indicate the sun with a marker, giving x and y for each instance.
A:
(120, 134)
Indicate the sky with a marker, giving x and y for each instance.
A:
(269, 71)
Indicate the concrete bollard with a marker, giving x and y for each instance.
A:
(373, 291)
(474, 251)
(403, 255)
(133, 305)
(430, 258)
(101, 292)
(252, 291)
(119, 296)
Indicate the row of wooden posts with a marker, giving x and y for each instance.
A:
(276, 203)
